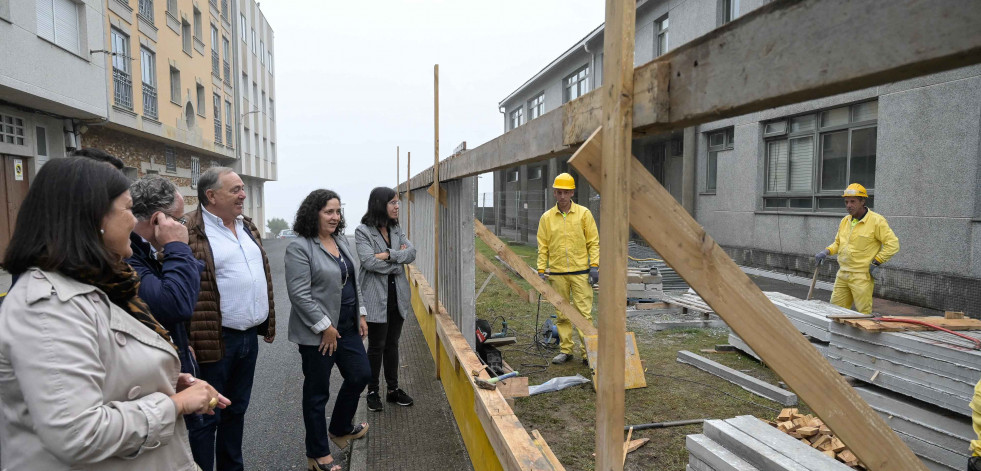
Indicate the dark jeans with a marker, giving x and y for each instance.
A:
(218, 438)
(352, 362)
(383, 348)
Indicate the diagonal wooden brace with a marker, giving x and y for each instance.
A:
(684, 244)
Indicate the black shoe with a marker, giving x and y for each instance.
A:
(974, 463)
(399, 397)
(374, 401)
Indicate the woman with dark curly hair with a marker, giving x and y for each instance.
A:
(383, 249)
(321, 278)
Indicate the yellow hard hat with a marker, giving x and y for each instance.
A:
(564, 181)
(855, 190)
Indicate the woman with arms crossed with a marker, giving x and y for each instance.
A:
(383, 249)
(88, 378)
(321, 278)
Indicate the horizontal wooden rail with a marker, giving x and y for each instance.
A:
(783, 53)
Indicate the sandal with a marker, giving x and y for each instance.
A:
(342, 440)
(313, 465)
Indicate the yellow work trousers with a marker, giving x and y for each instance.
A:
(576, 289)
(976, 420)
(853, 287)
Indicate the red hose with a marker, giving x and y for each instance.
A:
(977, 343)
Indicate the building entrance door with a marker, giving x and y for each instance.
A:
(14, 181)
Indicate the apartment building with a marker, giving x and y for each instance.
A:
(767, 186)
(256, 98)
(45, 94)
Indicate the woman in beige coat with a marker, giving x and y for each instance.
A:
(88, 378)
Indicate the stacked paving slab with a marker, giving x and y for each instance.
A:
(746, 443)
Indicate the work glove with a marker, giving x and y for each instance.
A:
(593, 275)
(820, 256)
(543, 276)
(872, 269)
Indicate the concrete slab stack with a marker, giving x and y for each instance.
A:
(934, 367)
(938, 437)
(746, 443)
(810, 317)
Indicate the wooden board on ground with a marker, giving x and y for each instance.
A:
(670, 230)
(633, 370)
(872, 325)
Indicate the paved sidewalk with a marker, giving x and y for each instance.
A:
(421, 437)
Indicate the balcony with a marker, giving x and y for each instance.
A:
(149, 101)
(217, 131)
(228, 135)
(123, 89)
(215, 64)
(146, 10)
(228, 73)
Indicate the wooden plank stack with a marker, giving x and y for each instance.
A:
(643, 286)
(812, 432)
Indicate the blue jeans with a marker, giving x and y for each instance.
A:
(352, 361)
(218, 438)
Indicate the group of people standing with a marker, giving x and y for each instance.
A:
(131, 328)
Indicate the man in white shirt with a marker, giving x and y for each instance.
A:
(235, 306)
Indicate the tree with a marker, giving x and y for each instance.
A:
(276, 225)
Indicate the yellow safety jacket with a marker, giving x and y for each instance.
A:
(868, 239)
(567, 242)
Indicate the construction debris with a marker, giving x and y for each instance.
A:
(643, 286)
(811, 431)
(749, 383)
(746, 443)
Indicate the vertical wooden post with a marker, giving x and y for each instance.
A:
(436, 205)
(618, 75)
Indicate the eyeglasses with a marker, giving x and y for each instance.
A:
(181, 220)
(394, 203)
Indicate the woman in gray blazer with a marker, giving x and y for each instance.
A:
(321, 279)
(383, 249)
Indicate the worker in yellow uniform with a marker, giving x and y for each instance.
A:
(864, 242)
(974, 463)
(568, 246)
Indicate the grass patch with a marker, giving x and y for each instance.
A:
(674, 391)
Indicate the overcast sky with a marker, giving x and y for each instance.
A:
(355, 79)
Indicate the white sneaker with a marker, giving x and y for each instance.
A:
(561, 358)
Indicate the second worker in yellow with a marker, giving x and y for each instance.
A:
(568, 246)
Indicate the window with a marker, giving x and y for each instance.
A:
(253, 41)
(718, 141)
(195, 171)
(272, 109)
(175, 86)
(728, 11)
(172, 8)
(258, 197)
(255, 96)
(217, 116)
(245, 140)
(263, 102)
(517, 117)
(228, 123)
(535, 173)
(265, 147)
(512, 176)
(242, 27)
(224, 8)
(215, 60)
(57, 21)
(270, 62)
(661, 40)
(186, 36)
(257, 148)
(198, 24)
(262, 52)
(11, 130)
(272, 152)
(577, 84)
(227, 50)
(121, 80)
(200, 89)
(811, 158)
(148, 73)
(41, 137)
(536, 106)
(170, 157)
(146, 10)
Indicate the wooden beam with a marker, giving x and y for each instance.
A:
(618, 96)
(488, 266)
(531, 276)
(733, 70)
(408, 192)
(691, 252)
(441, 192)
(436, 196)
